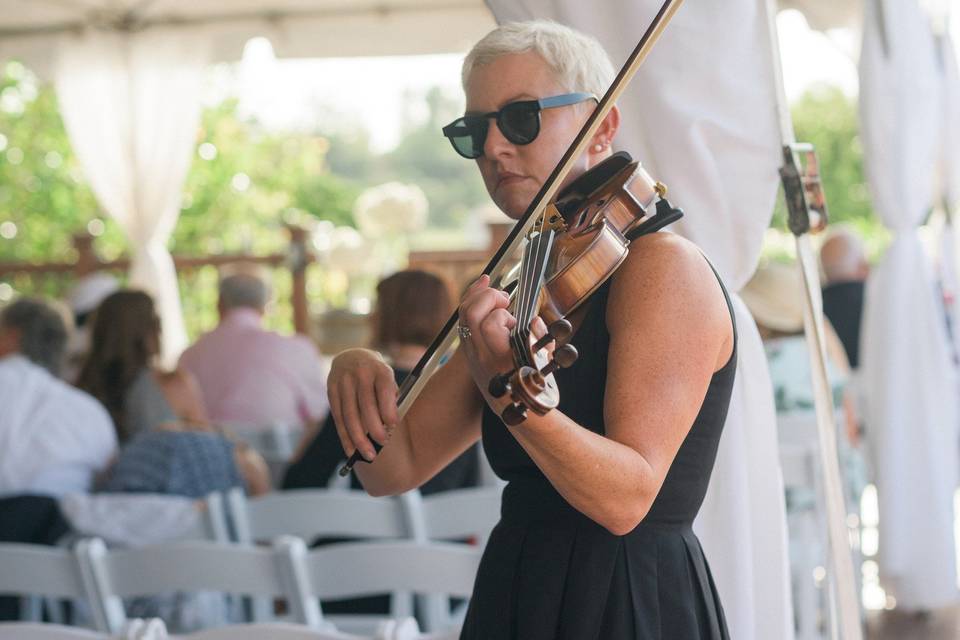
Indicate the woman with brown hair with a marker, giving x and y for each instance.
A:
(121, 371)
(167, 442)
(411, 308)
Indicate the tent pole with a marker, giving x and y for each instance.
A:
(801, 184)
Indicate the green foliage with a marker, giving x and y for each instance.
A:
(424, 157)
(42, 191)
(828, 118)
(244, 184)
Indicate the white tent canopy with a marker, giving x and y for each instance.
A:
(297, 28)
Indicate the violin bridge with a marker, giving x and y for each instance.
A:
(554, 220)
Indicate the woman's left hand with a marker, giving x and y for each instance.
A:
(483, 312)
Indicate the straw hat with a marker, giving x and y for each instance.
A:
(775, 297)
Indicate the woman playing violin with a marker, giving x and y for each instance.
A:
(595, 539)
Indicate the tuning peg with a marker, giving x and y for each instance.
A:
(514, 414)
(559, 331)
(563, 357)
(499, 385)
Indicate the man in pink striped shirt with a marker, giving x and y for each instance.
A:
(251, 376)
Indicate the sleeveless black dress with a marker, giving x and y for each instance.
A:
(551, 573)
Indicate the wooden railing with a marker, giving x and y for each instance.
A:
(458, 267)
(296, 258)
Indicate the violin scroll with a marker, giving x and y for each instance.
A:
(533, 387)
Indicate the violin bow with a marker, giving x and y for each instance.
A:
(436, 354)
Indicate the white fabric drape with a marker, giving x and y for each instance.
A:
(711, 135)
(950, 117)
(949, 186)
(131, 106)
(909, 381)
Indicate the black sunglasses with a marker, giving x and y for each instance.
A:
(519, 122)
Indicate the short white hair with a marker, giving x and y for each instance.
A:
(578, 61)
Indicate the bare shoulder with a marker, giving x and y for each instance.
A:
(666, 283)
(178, 381)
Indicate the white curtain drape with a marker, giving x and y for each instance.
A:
(710, 133)
(949, 185)
(911, 410)
(131, 106)
(950, 117)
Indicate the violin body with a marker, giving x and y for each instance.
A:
(597, 223)
(591, 223)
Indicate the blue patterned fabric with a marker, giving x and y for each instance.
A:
(182, 463)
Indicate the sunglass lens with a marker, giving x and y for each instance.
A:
(467, 136)
(520, 122)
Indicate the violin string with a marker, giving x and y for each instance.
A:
(538, 252)
(526, 271)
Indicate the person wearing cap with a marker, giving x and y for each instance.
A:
(83, 299)
(54, 439)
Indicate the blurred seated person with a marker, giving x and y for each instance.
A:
(845, 269)
(251, 376)
(412, 306)
(775, 298)
(156, 413)
(121, 370)
(181, 463)
(54, 439)
(83, 298)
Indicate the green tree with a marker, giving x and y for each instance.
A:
(424, 156)
(828, 118)
(42, 189)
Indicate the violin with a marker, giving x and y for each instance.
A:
(591, 224)
(580, 241)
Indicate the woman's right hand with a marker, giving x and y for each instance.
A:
(363, 400)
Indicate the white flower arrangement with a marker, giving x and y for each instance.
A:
(390, 209)
(349, 251)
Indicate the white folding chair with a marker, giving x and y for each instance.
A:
(27, 569)
(800, 464)
(183, 566)
(276, 442)
(314, 513)
(449, 516)
(47, 631)
(463, 513)
(351, 570)
(405, 629)
(273, 631)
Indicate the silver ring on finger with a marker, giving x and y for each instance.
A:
(463, 331)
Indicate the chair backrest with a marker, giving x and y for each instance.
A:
(38, 570)
(137, 519)
(276, 442)
(464, 513)
(181, 566)
(311, 513)
(46, 631)
(273, 631)
(352, 570)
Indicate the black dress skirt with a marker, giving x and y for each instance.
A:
(551, 573)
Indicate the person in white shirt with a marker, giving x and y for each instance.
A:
(54, 438)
